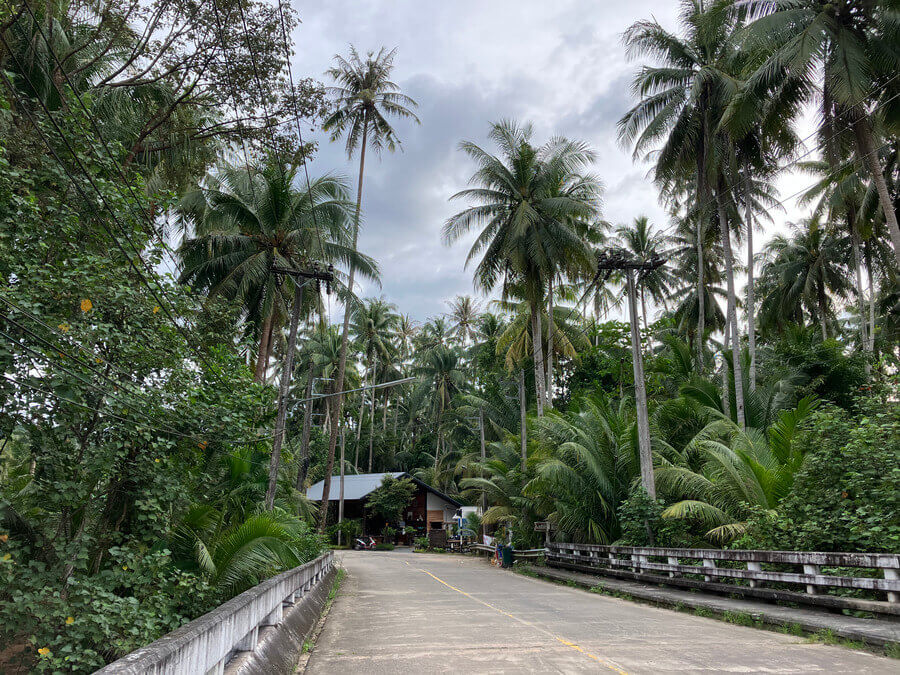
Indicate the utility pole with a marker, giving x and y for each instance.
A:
(287, 368)
(341, 495)
(483, 457)
(620, 260)
(523, 415)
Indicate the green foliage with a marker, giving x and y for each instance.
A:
(391, 497)
(846, 497)
(384, 547)
(388, 533)
(641, 523)
(420, 543)
(349, 529)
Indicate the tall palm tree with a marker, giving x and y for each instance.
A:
(643, 242)
(531, 204)
(440, 379)
(372, 327)
(364, 98)
(464, 313)
(851, 46)
(801, 273)
(242, 224)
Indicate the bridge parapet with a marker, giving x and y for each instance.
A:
(206, 644)
(744, 572)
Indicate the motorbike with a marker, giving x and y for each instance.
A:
(364, 544)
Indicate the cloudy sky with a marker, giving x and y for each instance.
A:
(560, 65)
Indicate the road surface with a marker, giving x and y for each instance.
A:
(402, 612)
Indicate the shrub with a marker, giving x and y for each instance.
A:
(846, 496)
(384, 547)
(388, 534)
(421, 543)
(350, 529)
(639, 511)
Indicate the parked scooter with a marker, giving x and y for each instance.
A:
(364, 544)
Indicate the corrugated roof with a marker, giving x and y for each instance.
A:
(356, 486)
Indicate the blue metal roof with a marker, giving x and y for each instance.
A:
(357, 486)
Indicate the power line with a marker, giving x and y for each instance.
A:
(111, 211)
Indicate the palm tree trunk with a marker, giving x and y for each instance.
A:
(362, 401)
(342, 360)
(372, 415)
(262, 355)
(523, 418)
(550, 328)
(437, 445)
(820, 294)
(867, 249)
(307, 427)
(537, 349)
(283, 390)
(867, 150)
(751, 295)
(732, 312)
(726, 386)
(860, 291)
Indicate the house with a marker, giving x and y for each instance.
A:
(429, 508)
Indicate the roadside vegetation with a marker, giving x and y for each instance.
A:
(154, 185)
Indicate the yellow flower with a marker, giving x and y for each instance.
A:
(98, 360)
(70, 620)
(43, 651)
(156, 460)
(86, 305)
(7, 557)
(64, 327)
(124, 567)
(156, 309)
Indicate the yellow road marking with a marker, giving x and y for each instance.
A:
(571, 645)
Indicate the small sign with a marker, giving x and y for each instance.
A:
(544, 526)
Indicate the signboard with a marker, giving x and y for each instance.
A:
(544, 526)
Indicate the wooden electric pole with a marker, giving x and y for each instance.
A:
(619, 260)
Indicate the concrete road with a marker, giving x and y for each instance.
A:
(402, 612)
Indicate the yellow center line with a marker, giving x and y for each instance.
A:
(571, 645)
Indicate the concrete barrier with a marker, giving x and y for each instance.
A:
(745, 572)
(247, 634)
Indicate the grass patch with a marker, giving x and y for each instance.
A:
(827, 637)
(702, 611)
(741, 619)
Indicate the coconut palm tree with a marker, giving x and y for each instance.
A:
(801, 273)
(464, 312)
(723, 470)
(243, 224)
(440, 379)
(847, 51)
(676, 114)
(363, 99)
(593, 464)
(531, 204)
(643, 242)
(372, 328)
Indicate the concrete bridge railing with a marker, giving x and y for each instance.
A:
(746, 572)
(208, 643)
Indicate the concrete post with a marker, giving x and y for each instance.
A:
(708, 563)
(248, 642)
(672, 560)
(892, 575)
(754, 567)
(811, 569)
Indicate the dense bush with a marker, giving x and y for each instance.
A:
(846, 496)
(642, 524)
